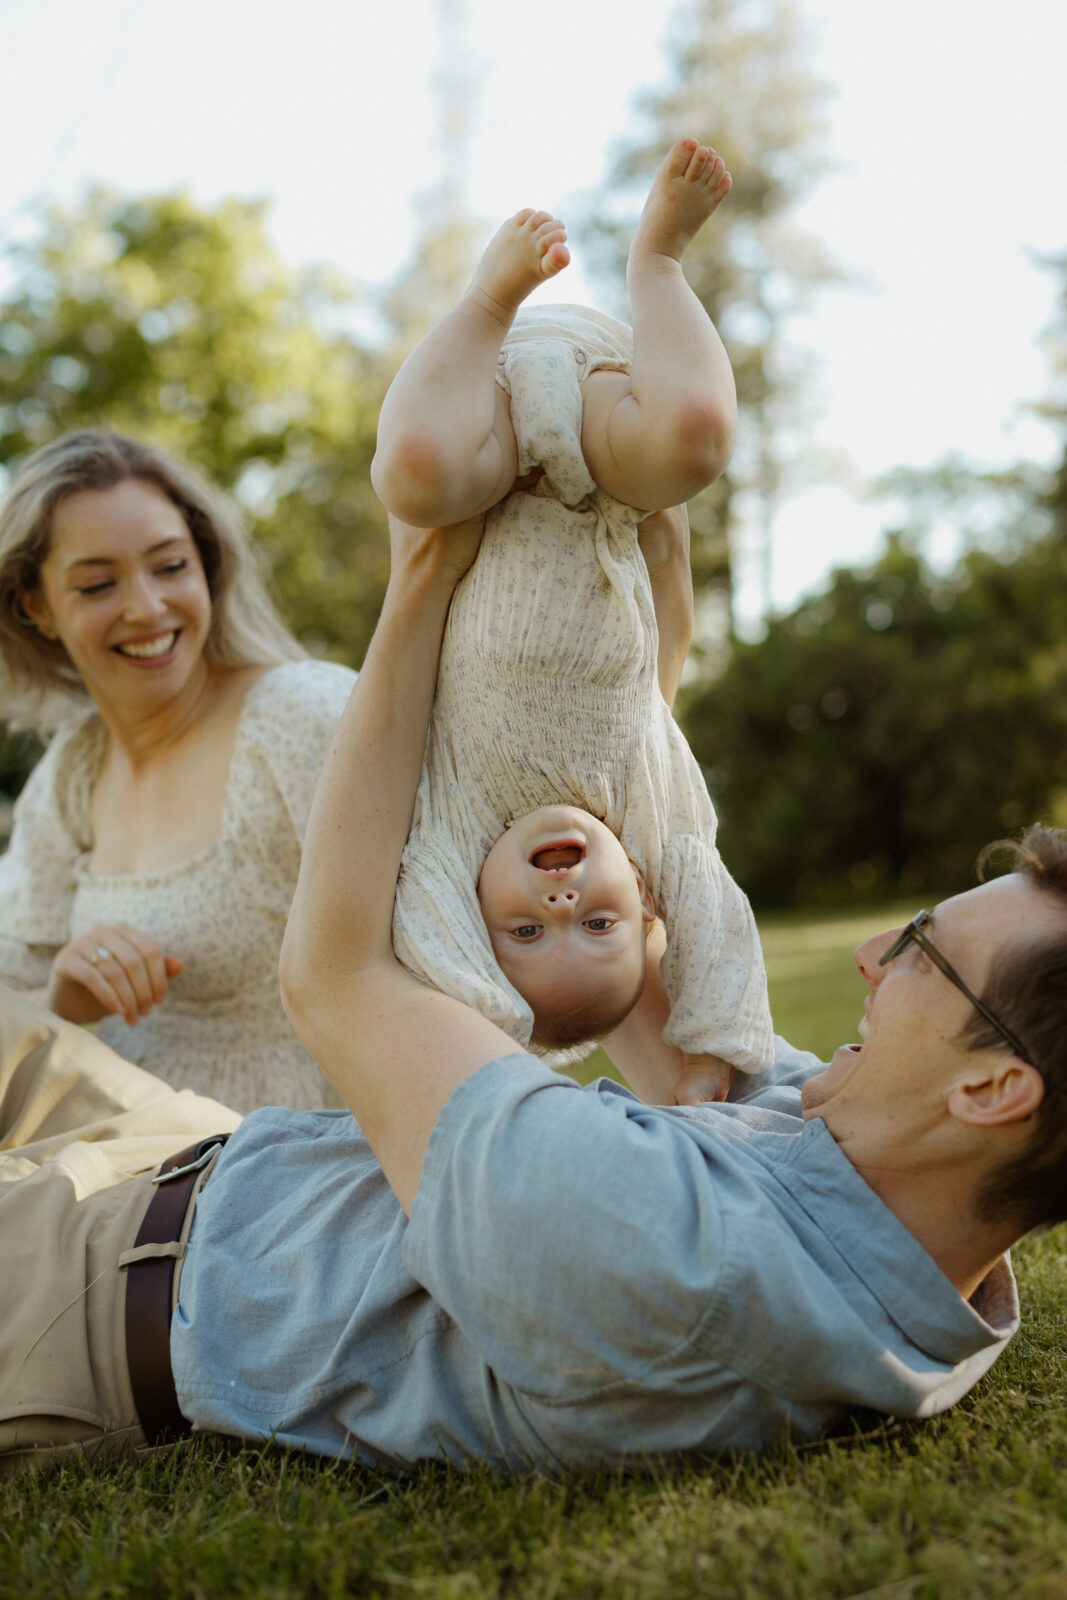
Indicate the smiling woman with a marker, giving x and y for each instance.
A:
(157, 843)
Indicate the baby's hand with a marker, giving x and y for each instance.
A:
(705, 1079)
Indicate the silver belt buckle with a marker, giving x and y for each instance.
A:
(195, 1165)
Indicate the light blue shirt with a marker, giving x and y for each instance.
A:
(584, 1279)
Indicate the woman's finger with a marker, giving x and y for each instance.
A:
(150, 977)
(92, 965)
(135, 967)
(121, 967)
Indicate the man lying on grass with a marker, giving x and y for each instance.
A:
(502, 1265)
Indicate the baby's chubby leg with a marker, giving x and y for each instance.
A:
(446, 447)
(656, 438)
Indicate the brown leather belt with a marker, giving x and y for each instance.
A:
(149, 1284)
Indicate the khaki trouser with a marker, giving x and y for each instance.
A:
(80, 1133)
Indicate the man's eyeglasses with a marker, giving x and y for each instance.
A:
(913, 934)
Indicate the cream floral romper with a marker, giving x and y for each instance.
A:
(547, 693)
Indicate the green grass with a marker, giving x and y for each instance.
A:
(816, 993)
(973, 1504)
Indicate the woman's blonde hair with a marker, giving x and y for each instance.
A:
(35, 672)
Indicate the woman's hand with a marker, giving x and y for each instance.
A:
(110, 971)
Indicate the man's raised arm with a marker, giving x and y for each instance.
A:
(394, 1048)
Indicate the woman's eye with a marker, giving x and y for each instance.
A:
(529, 930)
(600, 924)
(95, 588)
(174, 566)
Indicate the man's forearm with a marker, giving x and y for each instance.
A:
(664, 542)
(393, 1047)
(341, 916)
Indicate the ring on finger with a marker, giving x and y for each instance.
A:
(101, 953)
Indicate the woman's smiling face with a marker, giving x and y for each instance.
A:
(123, 590)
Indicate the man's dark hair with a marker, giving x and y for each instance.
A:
(1027, 990)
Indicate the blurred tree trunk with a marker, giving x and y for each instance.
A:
(740, 84)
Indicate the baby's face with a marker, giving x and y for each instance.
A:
(566, 911)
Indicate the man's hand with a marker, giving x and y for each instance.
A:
(449, 552)
(706, 1079)
(664, 542)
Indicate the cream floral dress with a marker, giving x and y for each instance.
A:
(546, 693)
(221, 1029)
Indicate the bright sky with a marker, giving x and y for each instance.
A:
(947, 132)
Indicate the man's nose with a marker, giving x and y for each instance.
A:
(560, 903)
(867, 955)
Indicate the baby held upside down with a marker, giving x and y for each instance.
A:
(560, 810)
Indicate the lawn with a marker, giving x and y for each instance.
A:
(973, 1504)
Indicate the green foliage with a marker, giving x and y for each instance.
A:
(181, 325)
(881, 734)
(740, 81)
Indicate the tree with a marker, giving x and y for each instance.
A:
(739, 80)
(882, 733)
(181, 325)
(885, 731)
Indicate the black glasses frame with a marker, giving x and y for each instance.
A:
(913, 934)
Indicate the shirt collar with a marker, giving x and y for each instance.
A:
(889, 1260)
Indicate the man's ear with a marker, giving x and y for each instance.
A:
(34, 608)
(1008, 1091)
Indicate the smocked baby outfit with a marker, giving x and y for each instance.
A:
(547, 693)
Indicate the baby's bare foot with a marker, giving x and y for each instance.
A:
(530, 247)
(689, 186)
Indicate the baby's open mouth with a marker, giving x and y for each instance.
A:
(557, 857)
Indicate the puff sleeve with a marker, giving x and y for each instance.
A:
(51, 831)
(713, 966)
(290, 718)
(440, 936)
